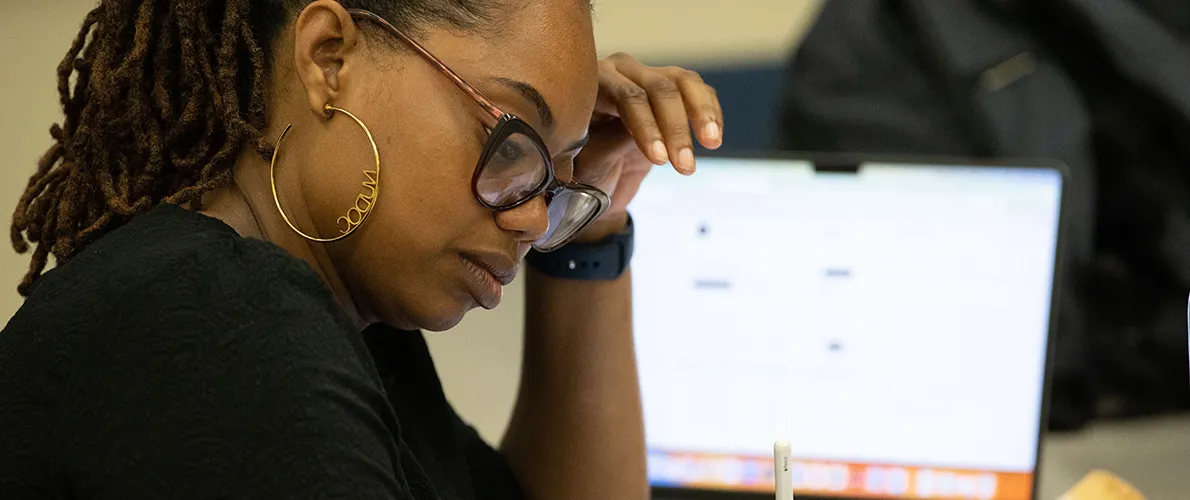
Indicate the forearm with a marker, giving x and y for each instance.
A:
(577, 430)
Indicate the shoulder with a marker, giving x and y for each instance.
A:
(172, 347)
(171, 259)
(172, 250)
(172, 286)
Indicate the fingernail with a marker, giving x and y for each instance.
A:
(686, 160)
(712, 130)
(659, 153)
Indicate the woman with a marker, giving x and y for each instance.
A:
(243, 194)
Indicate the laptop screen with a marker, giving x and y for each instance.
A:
(891, 323)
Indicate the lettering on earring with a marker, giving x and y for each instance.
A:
(363, 203)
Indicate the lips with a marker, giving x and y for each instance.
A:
(487, 276)
(500, 267)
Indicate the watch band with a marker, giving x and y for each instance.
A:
(606, 259)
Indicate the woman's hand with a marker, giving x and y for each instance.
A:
(643, 117)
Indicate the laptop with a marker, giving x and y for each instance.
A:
(892, 318)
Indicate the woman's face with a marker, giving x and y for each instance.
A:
(417, 261)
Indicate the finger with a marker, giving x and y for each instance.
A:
(702, 105)
(597, 164)
(620, 96)
(608, 140)
(669, 110)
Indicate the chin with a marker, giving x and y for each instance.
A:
(441, 323)
(443, 316)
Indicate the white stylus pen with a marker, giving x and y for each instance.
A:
(781, 470)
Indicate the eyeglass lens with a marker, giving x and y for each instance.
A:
(514, 170)
(570, 211)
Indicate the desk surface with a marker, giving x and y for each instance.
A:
(1153, 454)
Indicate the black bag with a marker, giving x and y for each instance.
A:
(1103, 85)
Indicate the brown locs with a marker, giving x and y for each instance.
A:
(155, 115)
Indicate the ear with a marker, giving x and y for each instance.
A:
(324, 35)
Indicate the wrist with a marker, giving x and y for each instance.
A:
(603, 254)
(606, 226)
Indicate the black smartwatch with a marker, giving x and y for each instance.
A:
(606, 259)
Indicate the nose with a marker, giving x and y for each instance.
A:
(529, 220)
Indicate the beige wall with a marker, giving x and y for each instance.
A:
(35, 35)
(480, 360)
(702, 31)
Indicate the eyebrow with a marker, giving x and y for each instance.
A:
(544, 112)
(577, 145)
(531, 94)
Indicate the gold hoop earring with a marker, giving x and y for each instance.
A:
(363, 202)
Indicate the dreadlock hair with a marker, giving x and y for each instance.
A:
(165, 95)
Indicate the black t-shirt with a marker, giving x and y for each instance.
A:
(175, 359)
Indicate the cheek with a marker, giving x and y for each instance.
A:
(423, 212)
(326, 176)
(404, 260)
(427, 200)
(422, 195)
(403, 256)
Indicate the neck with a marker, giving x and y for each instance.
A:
(247, 206)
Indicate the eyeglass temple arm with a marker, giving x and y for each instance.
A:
(475, 94)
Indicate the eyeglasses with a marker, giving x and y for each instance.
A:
(515, 165)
